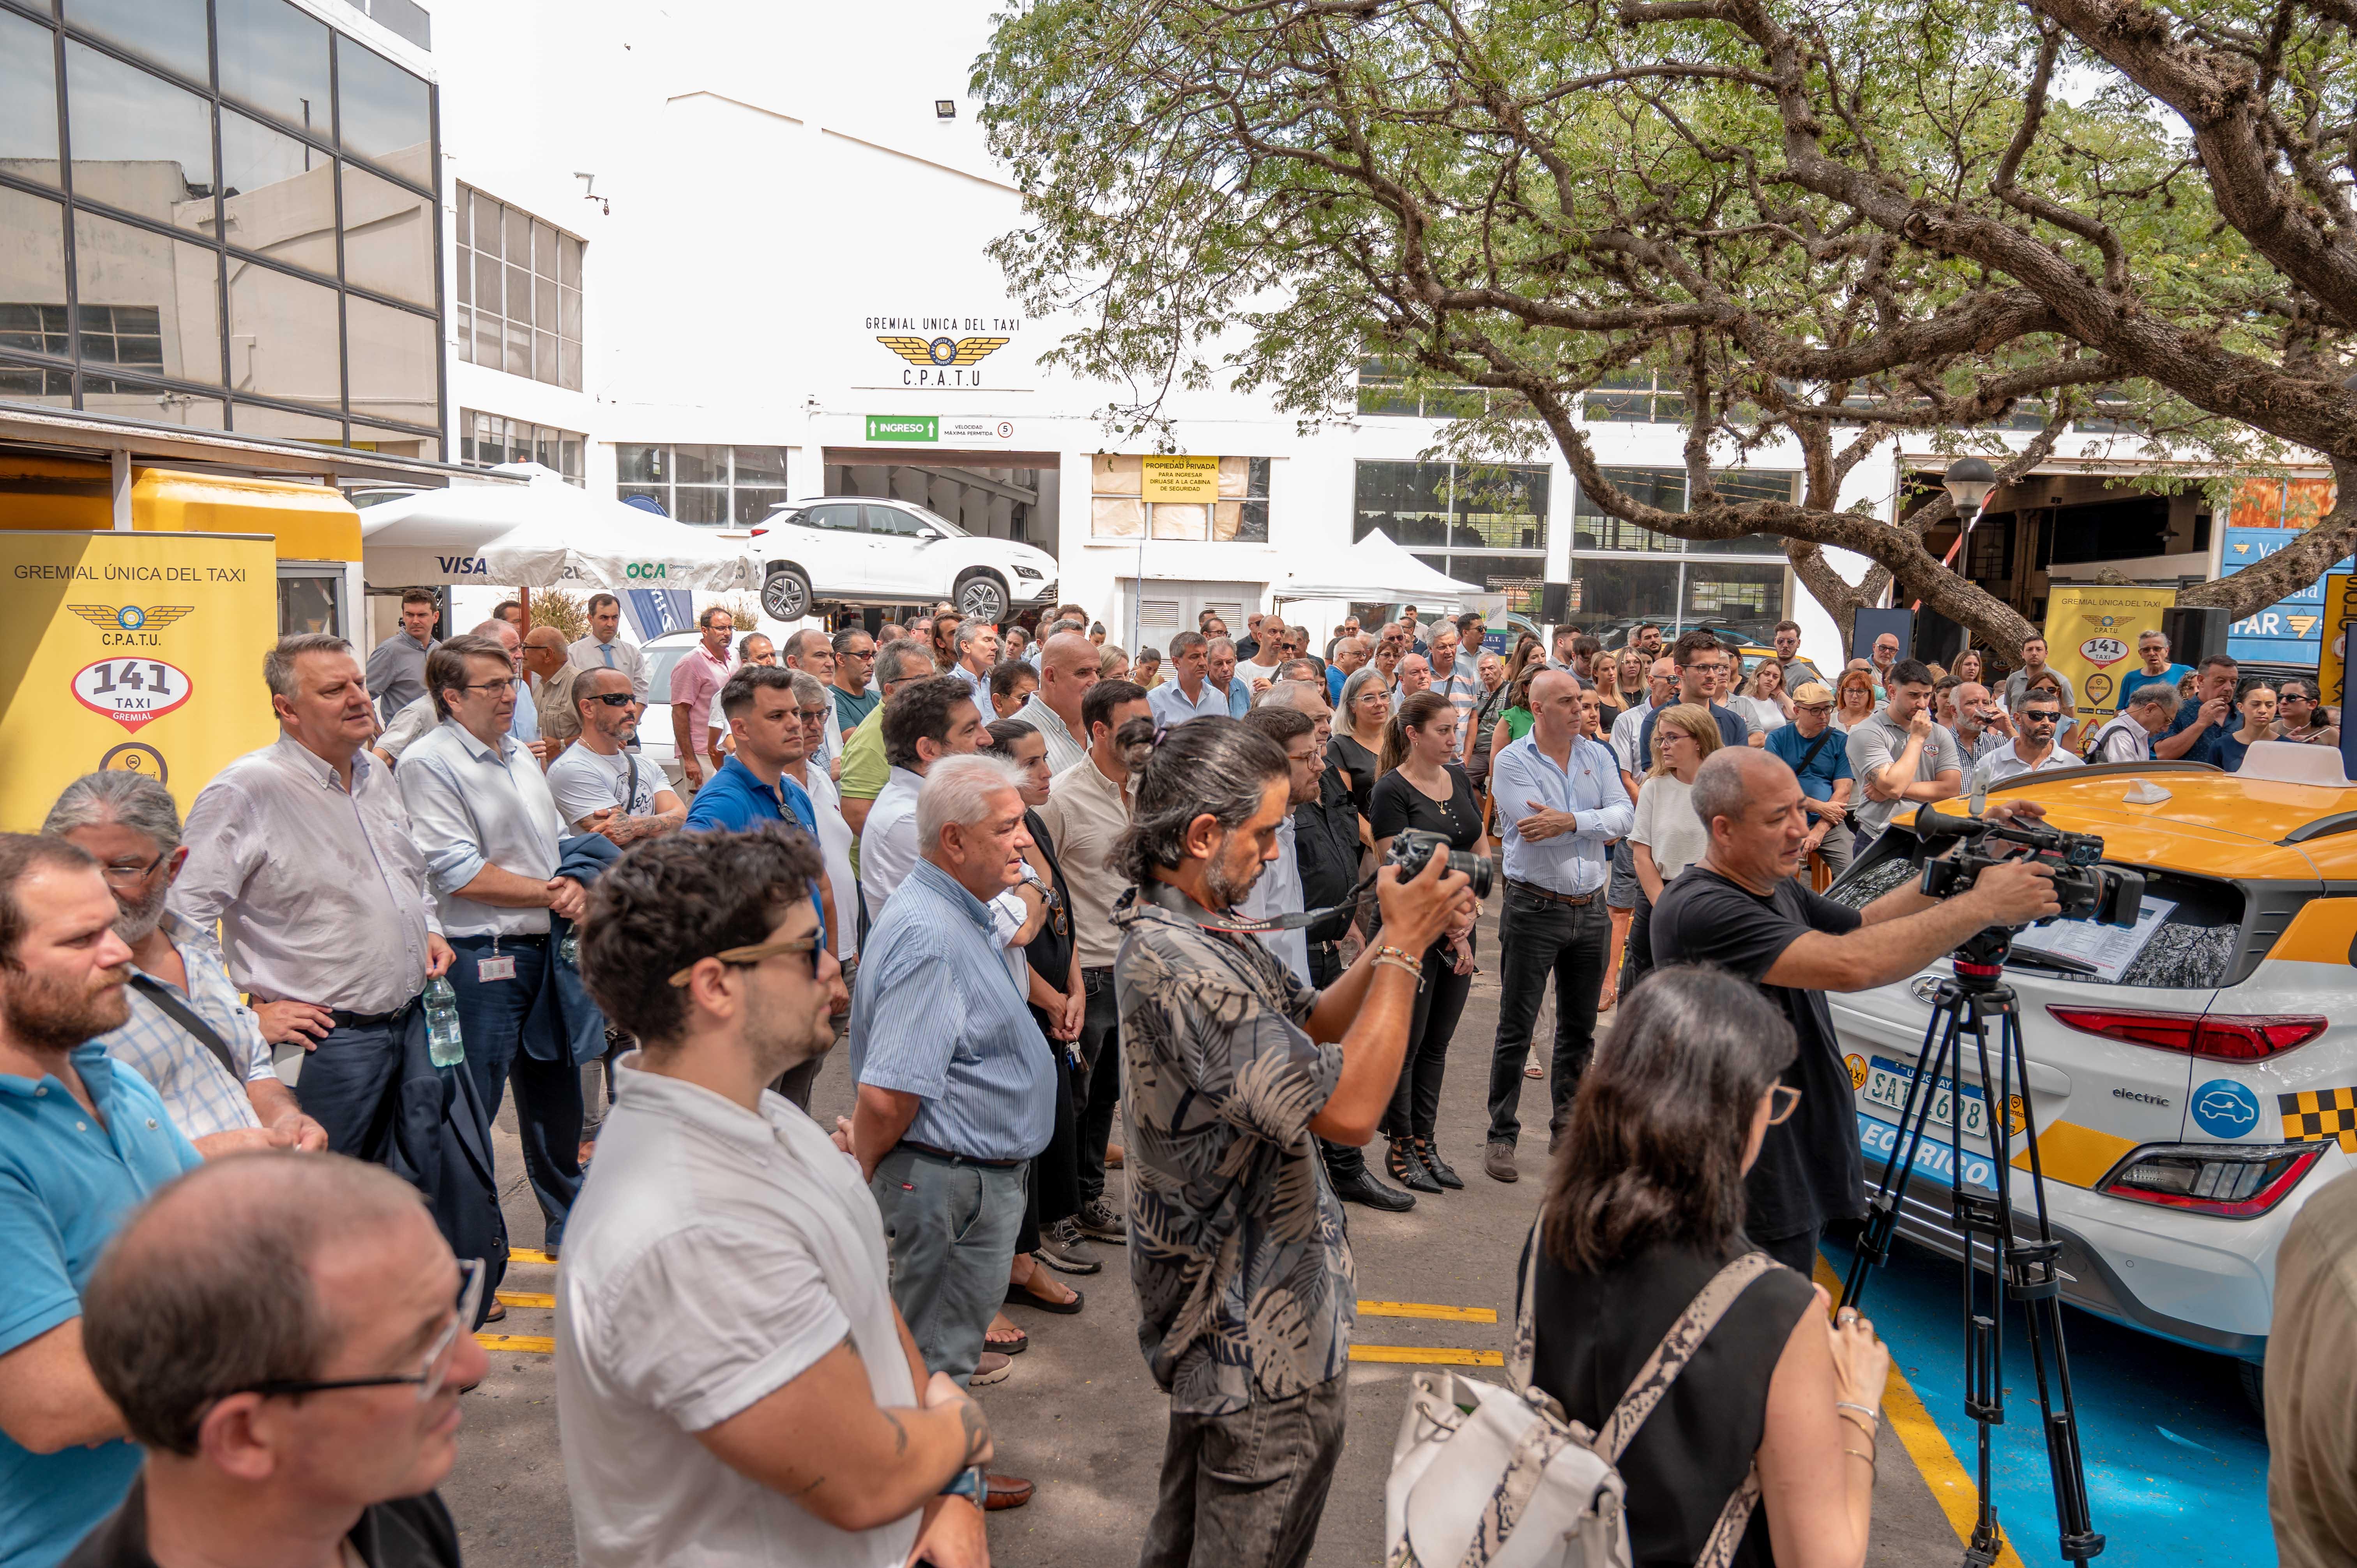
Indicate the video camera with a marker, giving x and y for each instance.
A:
(2087, 890)
(1412, 848)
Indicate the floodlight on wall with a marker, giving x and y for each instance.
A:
(945, 108)
(1969, 481)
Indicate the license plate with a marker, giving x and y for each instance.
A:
(1933, 1160)
(1886, 1083)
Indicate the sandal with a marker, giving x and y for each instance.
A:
(1004, 1337)
(1024, 1295)
(1403, 1166)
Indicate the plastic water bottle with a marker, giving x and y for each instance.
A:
(569, 949)
(442, 1045)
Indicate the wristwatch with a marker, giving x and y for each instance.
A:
(970, 1484)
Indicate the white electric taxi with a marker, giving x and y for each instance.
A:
(865, 550)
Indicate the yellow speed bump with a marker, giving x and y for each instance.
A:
(526, 1298)
(1427, 1356)
(1426, 1309)
(534, 1344)
(528, 1255)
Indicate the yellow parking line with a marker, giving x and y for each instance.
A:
(1426, 1309)
(1427, 1356)
(528, 1255)
(526, 1298)
(1952, 1485)
(537, 1344)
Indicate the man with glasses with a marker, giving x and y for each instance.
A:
(1797, 670)
(188, 1036)
(1704, 670)
(82, 1140)
(601, 785)
(482, 815)
(2155, 667)
(301, 854)
(812, 651)
(287, 1340)
(603, 649)
(2039, 717)
(852, 687)
(1817, 754)
(695, 680)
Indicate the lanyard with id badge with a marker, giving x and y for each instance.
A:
(497, 966)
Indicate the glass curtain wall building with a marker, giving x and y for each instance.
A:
(1621, 573)
(1484, 525)
(222, 214)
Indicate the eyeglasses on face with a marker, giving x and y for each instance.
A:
(429, 1377)
(129, 871)
(812, 716)
(745, 958)
(495, 687)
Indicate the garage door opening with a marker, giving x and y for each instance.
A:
(1000, 495)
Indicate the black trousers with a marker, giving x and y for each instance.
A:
(1637, 958)
(1796, 1252)
(1096, 1082)
(1052, 1187)
(1538, 937)
(1439, 1003)
(1344, 1162)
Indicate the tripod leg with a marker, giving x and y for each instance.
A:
(1882, 1213)
(1979, 1218)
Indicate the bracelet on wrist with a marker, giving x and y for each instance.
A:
(1414, 960)
(1867, 1411)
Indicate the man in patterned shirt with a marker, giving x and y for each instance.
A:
(1232, 1070)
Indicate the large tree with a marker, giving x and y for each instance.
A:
(1827, 222)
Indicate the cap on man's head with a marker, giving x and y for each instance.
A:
(1810, 692)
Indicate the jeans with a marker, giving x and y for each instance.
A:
(1538, 937)
(1344, 1162)
(1623, 890)
(1439, 1003)
(344, 1085)
(1096, 1082)
(1246, 1490)
(548, 1093)
(950, 1226)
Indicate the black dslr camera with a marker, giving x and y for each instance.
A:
(2087, 890)
(1412, 848)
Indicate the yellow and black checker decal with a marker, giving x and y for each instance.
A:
(2314, 1115)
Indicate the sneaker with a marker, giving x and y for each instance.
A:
(1498, 1160)
(1099, 1223)
(993, 1367)
(1065, 1249)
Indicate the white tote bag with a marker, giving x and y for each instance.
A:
(1484, 1477)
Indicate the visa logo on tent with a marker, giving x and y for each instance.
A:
(463, 565)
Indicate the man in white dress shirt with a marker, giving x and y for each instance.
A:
(976, 645)
(1278, 891)
(2039, 719)
(603, 649)
(924, 721)
(301, 852)
(1068, 668)
(480, 810)
(812, 651)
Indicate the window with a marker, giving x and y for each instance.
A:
(1636, 397)
(1385, 386)
(1118, 509)
(1623, 572)
(519, 297)
(716, 486)
(252, 224)
(490, 439)
(1478, 524)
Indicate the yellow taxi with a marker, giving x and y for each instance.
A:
(2200, 1083)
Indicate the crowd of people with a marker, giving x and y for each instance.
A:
(1035, 886)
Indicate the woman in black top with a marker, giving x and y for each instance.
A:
(1050, 1231)
(1420, 784)
(1355, 752)
(1644, 1205)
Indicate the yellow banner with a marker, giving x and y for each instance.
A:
(2340, 610)
(1182, 479)
(140, 651)
(2091, 638)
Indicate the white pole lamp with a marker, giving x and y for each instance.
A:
(1969, 480)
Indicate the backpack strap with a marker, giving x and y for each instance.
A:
(1676, 1348)
(1524, 1349)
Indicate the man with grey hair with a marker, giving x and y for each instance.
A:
(301, 854)
(1188, 693)
(954, 1080)
(235, 1292)
(1740, 907)
(2128, 734)
(975, 644)
(1350, 653)
(866, 771)
(1414, 675)
(189, 1035)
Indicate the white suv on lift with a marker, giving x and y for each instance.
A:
(863, 550)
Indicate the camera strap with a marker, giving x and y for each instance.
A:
(1170, 898)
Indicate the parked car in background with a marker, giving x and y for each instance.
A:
(655, 742)
(866, 550)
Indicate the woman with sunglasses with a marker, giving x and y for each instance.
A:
(1644, 1206)
(1049, 1233)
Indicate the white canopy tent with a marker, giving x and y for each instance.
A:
(543, 533)
(1376, 569)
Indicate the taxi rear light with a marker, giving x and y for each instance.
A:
(2233, 1181)
(2222, 1036)
(756, 533)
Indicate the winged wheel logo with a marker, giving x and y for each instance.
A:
(944, 350)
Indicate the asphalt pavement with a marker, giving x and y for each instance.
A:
(1081, 1418)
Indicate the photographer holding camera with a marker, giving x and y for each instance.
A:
(1230, 1065)
(1740, 908)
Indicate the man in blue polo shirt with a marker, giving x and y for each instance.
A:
(2194, 734)
(1818, 756)
(83, 1142)
(758, 702)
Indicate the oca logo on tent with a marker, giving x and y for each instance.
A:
(2224, 1109)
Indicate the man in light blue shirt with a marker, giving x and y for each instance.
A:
(1560, 804)
(956, 1089)
(481, 815)
(83, 1142)
(1189, 694)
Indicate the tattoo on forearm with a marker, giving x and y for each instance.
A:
(977, 1431)
(899, 1435)
(817, 1482)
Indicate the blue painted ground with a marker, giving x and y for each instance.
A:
(2176, 1458)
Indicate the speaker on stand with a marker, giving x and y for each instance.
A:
(1554, 603)
(2195, 634)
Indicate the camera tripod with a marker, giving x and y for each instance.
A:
(2023, 1267)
